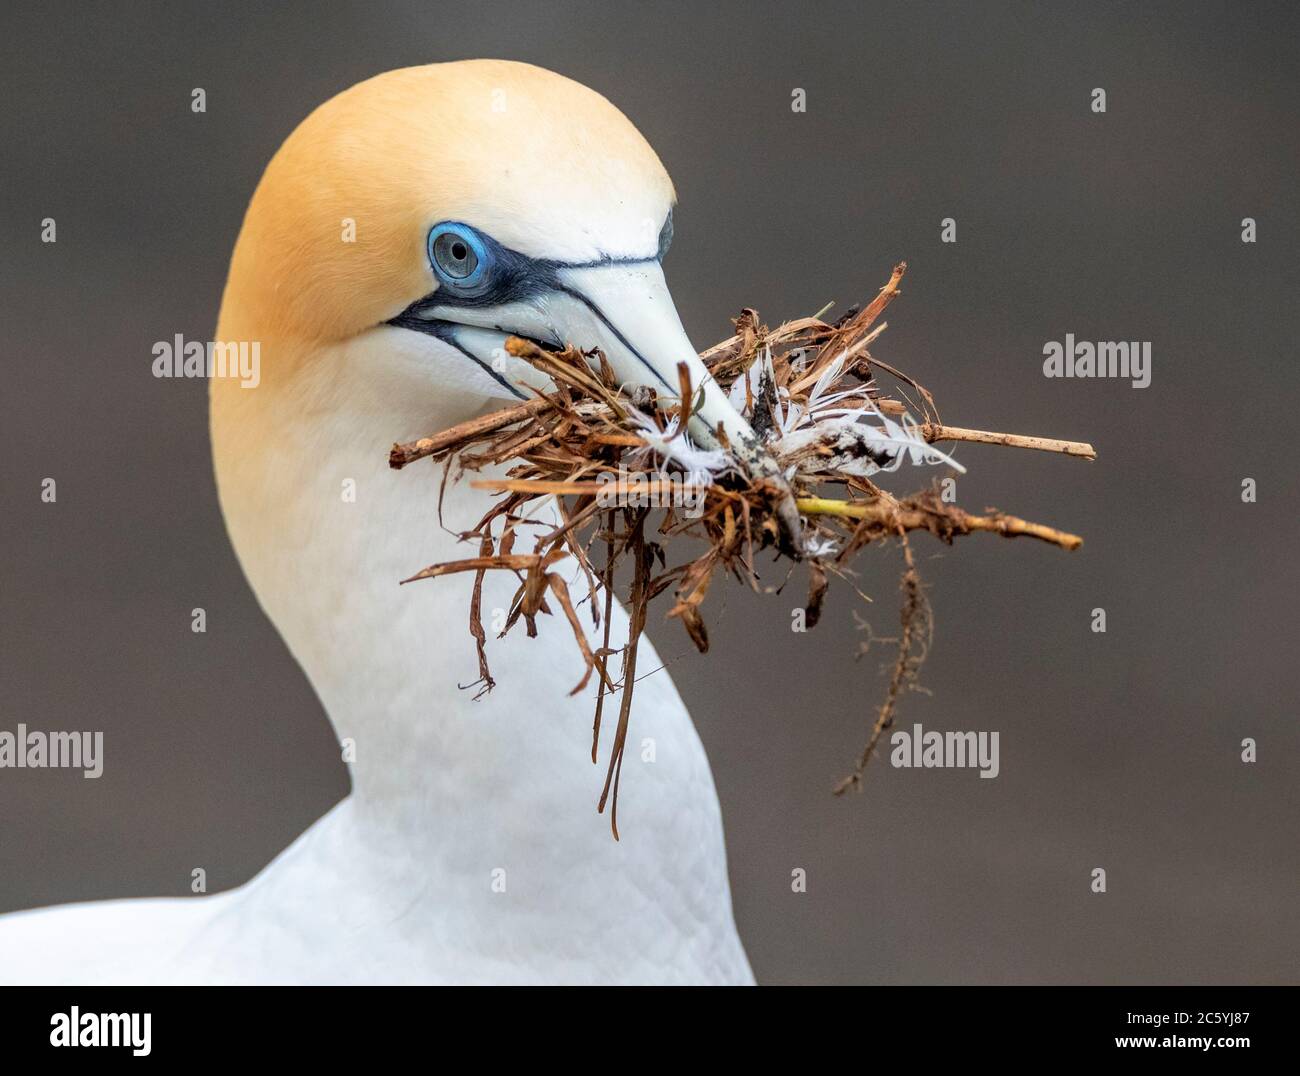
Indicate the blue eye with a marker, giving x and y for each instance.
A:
(458, 255)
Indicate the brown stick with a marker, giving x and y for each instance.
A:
(893, 517)
(402, 454)
(932, 432)
(883, 298)
(778, 335)
(515, 562)
(639, 599)
(561, 590)
(537, 486)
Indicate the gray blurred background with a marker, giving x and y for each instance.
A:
(1119, 750)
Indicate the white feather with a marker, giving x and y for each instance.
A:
(701, 463)
(849, 436)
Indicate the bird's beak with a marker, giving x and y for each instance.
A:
(625, 309)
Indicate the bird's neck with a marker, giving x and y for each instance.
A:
(472, 820)
(325, 531)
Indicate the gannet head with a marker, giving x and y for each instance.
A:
(431, 212)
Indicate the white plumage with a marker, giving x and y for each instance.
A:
(469, 850)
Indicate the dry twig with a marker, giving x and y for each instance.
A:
(584, 445)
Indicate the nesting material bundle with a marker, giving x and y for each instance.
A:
(632, 489)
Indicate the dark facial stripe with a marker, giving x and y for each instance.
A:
(446, 332)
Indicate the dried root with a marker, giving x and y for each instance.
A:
(609, 458)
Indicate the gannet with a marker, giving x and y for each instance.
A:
(400, 233)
